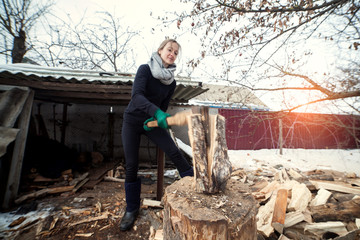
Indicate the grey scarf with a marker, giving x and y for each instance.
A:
(165, 75)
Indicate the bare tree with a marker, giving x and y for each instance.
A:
(17, 17)
(104, 45)
(249, 36)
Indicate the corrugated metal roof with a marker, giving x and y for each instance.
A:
(229, 96)
(84, 86)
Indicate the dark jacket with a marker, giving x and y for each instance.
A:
(148, 95)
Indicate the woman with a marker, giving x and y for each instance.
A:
(152, 90)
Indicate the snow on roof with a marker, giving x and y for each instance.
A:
(230, 97)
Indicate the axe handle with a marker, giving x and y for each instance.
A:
(178, 119)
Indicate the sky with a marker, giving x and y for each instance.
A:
(142, 16)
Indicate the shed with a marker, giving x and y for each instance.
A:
(35, 85)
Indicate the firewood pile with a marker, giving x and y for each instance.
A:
(319, 204)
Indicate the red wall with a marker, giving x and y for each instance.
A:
(247, 129)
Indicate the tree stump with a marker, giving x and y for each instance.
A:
(228, 214)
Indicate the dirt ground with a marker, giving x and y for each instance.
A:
(101, 209)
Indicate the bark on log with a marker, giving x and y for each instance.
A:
(230, 214)
(212, 167)
(343, 211)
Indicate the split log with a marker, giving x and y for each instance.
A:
(294, 174)
(264, 217)
(278, 218)
(300, 197)
(293, 218)
(230, 214)
(212, 167)
(340, 211)
(321, 197)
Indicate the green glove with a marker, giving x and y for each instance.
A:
(145, 124)
(161, 118)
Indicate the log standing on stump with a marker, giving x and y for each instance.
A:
(208, 206)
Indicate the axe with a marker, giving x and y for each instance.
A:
(178, 119)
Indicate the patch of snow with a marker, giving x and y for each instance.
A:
(303, 159)
(341, 160)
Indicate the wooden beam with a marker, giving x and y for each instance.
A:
(160, 156)
(13, 182)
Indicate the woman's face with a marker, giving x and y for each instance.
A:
(169, 53)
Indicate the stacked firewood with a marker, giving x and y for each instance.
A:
(316, 204)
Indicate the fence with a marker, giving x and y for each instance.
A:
(246, 129)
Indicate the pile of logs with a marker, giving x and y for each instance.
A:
(311, 205)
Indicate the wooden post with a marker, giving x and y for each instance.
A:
(280, 137)
(64, 123)
(111, 134)
(160, 173)
(12, 186)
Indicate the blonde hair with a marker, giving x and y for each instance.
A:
(166, 41)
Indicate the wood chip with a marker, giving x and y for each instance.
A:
(103, 216)
(84, 234)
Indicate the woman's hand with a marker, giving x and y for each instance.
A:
(161, 118)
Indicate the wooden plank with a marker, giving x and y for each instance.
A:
(336, 186)
(279, 213)
(96, 175)
(13, 182)
(339, 211)
(11, 105)
(8, 135)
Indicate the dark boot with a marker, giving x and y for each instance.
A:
(189, 172)
(132, 191)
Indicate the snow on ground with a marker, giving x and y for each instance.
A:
(303, 159)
